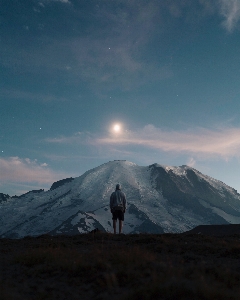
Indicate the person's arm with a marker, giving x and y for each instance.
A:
(110, 204)
(124, 202)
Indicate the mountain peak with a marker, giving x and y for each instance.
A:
(160, 199)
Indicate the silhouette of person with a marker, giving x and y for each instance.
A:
(118, 205)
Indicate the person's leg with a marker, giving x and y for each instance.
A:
(121, 219)
(120, 226)
(114, 226)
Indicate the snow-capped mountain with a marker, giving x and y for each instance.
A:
(160, 199)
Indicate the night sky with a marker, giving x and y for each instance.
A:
(166, 72)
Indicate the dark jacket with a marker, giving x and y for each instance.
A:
(118, 201)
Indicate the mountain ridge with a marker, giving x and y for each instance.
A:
(160, 199)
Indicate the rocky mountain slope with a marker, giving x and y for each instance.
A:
(160, 199)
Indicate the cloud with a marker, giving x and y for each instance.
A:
(200, 141)
(19, 170)
(108, 67)
(210, 7)
(113, 58)
(191, 162)
(62, 1)
(230, 10)
(223, 142)
(109, 56)
(77, 138)
(30, 96)
(44, 165)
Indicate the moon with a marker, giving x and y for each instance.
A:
(117, 128)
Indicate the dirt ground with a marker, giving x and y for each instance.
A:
(107, 266)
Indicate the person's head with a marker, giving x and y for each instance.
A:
(118, 186)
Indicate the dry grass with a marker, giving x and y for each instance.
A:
(103, 266)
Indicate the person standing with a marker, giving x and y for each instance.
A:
(118, 205)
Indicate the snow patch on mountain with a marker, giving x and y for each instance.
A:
(229, 218)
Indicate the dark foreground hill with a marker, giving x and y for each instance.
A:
(137, 266)
(216, 230)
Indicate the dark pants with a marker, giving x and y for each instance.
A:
(118, 214)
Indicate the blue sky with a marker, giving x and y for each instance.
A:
(168, 72)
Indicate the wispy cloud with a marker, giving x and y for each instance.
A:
(223, 142)
(77, 138)
(62, 1)
(30, 96)
(114, 57)
(230, 9)
(19, 170)
(191, 162)
(108, 57)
